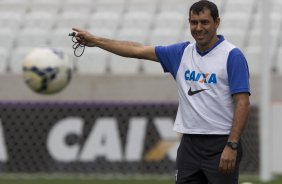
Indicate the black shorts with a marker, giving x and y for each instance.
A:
(198, 159)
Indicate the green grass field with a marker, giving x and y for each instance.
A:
(252, 180)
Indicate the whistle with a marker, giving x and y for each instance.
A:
(72, 34)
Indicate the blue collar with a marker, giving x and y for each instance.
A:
(220, 39)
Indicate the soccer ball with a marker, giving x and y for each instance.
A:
(47, 71)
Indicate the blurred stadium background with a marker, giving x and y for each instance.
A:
(114, 119)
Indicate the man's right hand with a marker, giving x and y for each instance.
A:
(84, 37)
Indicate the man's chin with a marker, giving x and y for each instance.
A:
(201, 42)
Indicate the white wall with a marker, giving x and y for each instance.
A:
(116, 88)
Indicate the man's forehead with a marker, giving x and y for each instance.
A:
(205, 13)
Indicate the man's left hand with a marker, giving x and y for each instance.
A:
(227, 160)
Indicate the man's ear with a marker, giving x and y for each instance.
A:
(217, 22)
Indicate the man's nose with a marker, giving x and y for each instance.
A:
(199, 27)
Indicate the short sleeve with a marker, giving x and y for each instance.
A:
(170, 56)
(238, 72)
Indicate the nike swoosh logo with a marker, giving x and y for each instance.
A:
(191, 93)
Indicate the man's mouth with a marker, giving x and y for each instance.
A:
(199, 37)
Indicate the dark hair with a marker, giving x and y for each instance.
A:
(204, 4)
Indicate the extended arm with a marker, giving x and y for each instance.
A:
(121, 48)
(228, 157)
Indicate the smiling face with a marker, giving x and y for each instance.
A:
(203, 29)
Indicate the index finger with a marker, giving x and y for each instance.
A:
(77, 30)
(221, 166)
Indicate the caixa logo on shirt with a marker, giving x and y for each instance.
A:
(209, 78)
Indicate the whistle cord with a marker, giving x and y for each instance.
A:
(75, 46)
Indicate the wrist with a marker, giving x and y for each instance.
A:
(233, 145)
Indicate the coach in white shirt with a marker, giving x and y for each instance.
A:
(212, 78)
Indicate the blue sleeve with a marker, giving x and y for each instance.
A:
(170, 56)
(238, 72)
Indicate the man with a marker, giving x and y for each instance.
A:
(213, 84)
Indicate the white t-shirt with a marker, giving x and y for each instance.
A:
(206, 83)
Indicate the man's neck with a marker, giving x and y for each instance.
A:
(205, 48)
